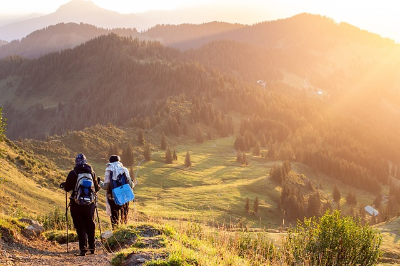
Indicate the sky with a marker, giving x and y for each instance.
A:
(377, 16)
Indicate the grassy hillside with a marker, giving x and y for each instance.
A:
(213, 190)
(28, 183)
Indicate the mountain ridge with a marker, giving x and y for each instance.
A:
(56, 38)
(297, 32)
(74, 11)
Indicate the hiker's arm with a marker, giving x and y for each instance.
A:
(106, 184)
(128, 177)
(70, 182)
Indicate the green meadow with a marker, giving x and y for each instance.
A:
(213, 190)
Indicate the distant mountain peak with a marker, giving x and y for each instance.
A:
(81, 5)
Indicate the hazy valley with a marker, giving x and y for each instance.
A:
(285, 113)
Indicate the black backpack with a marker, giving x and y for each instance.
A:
(121, 180)
(84, 193)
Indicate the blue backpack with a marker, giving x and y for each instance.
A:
(120, 189)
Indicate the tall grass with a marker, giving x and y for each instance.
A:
(329, 240)
(56, 219)
(55, 224)
(192, 243)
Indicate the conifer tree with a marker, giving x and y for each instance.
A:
(256, 149)
(287, 167)
(247, 205)
(163, 142)
(188, 161)
(277, 173)
(174, 156)
(314, 205)
(240, 143)
(284, 194)
(336, 195)
(351, 198)
(168, 156)
(147, 153)
(128, 157)
(255, 205)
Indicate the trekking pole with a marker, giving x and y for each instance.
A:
(66, 215)
(66, 211)
(98, 220)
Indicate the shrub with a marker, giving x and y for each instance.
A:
(123, 236)
(55, 219)
(61, 236)
(10, 158)
(332, 240)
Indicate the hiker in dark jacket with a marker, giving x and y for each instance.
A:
(82, 215)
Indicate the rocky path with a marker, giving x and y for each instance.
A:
(42, 252)
(19, 250)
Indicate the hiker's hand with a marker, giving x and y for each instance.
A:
(62, 185)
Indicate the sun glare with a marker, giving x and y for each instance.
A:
(126, 7)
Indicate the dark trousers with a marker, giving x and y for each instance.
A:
(83, 218)
(119, 214)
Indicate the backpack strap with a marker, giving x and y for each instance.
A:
(93, 187)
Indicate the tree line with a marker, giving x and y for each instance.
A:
(143, 83)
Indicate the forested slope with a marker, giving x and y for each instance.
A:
(346, 131)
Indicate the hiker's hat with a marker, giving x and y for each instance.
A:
(114, 158)
(80, 159)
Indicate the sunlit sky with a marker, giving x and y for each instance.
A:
(378, 16)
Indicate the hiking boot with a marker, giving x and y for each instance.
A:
(82, 253)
